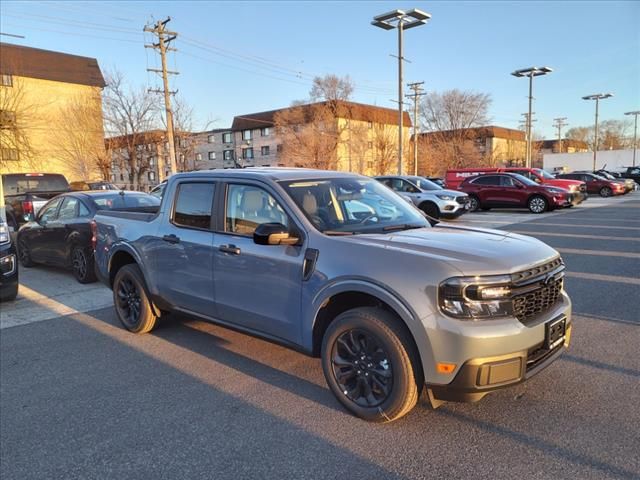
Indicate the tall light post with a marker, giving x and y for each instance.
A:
(635, 133)
(597, 97)
(530, 72)
(402, 20)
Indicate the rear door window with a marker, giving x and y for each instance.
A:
(487, 180)
(194, 205)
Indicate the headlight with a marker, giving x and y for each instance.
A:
(573, 188)
(556, 190)
(445, 197)
(4, 234)
(476, 298)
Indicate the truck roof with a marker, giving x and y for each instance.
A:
(272, 173)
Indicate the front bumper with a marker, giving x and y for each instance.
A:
(8, 273)
(490, 355)
(578, 197)
(452, 208)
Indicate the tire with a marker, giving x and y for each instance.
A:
(537, 204)
(388, 368)
(485, 209)
(24, 255)
(605, 192)
(131, 301)
(474, 203)
(430, 209)
(83, 265)
(10, 296)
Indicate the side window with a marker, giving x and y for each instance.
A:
(249, 206)
(48, 212)
(395, 184)
(487, 180)
(193, 207)
(83, 211)
(68, 209)
(506, 182)
(408, 187)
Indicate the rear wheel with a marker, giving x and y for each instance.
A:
(537, 204)
(474, 203)
(606, 192)
(24, 254)
(371, 364)
(430, 209)
(132, 303)
(82, 264)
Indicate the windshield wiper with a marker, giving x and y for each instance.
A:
(337, 233)
(404, 226)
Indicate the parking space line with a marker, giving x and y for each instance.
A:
(603, 278)
(571, 235)
(596, 219)
(602, 253)
(577, 225)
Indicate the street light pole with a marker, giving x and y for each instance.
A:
(635, 133)
(597, 97)
(402, 20)
(530, 72)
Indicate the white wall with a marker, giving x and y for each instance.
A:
(613, 159)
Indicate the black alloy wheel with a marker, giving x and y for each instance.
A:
(128, 302)
(431, 209)
(361, 368)
(24, 255)
(82, 265)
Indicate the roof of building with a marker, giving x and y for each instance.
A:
(356, 111)
(139, 138)
(48, 65)
(490, 131)
(215, 130)
(566, 142)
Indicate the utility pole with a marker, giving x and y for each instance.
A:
(528, 125)
(165, 37)
(417, 92)
(559, 123)
(635, 133)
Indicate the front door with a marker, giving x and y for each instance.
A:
(512, 192)
(39, 236)
(182, 250)
(257, 286)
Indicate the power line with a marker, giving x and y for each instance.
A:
(559, 123)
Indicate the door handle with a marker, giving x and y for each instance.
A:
(171, 238)
(232, 249)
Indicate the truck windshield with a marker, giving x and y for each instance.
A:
(353, 205)
(14, 184)
(544, 174)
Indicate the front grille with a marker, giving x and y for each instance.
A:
(524, 276)
(462, 199)
(537, 301)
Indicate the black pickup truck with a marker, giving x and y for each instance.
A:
(25, 193)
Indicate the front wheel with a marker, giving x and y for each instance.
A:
(431, 209)
(132, 303)
(474, 203)
(537, 204)
(606, 192)
(24, 254)
(371, 364)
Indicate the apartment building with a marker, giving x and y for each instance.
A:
(213, 149)
(51, 113)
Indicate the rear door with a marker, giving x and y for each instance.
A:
(182, 251)
(489, 190)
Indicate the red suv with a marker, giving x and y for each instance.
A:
(510, 190)
(597, 184)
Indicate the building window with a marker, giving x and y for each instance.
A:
(7, 80)
(212, 155)
(265, 131)
(226, 137)
(264, 151)
(228, 154)
(211, 139)
(9, 154)
(370, 165)
(370, 124)
(247, 153)
(370, 145)
(246, 135)
(152, 176)
(279, 148)
(121, 177)
(198, 157)
(7, 118)
(151, 161)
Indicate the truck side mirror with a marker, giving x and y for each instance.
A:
(273, 234)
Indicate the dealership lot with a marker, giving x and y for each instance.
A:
(83, 398)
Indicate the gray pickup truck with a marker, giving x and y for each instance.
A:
(340, 267)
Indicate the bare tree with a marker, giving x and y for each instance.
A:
(612, 135)
(19, 117)
(331, 88)
(183, 119)
(80, 142)
(128, 115)
(449, 116)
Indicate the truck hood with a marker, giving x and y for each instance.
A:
(471, 251)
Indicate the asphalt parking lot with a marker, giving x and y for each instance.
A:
(82, 398)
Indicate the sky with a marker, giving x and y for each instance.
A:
(238, 58)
